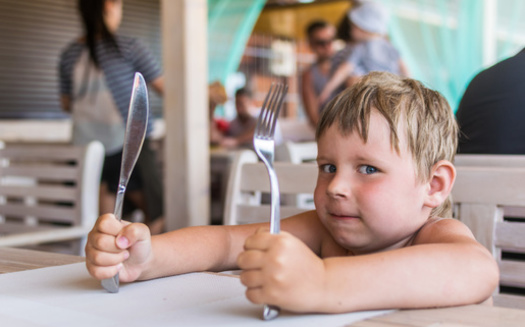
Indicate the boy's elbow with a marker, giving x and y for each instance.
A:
(489, 274)
(493, 275)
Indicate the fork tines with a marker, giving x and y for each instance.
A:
(270, 110)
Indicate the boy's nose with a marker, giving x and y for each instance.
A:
(339, 187)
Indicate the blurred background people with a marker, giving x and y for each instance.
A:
(371, 50)
(96, 74)
(321, 36)
(218, 126)
(491, 114)
(240, 130)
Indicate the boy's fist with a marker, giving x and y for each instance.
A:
(117, 246)
(281, 270)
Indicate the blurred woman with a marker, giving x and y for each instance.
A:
(96, 76)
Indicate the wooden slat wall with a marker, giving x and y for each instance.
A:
(34, 32)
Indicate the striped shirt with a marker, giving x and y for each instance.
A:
(118, 68)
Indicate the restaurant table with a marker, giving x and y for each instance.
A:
(18, 291)
(13, 259)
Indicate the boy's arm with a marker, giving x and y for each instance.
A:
(311, 105)
(245, 138)
(339, 77)
(445, 266)
(118, 246)
(216, 248)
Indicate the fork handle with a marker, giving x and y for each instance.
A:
(275, 215)
(271, 311)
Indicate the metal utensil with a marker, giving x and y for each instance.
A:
(264, 145)
(134, 138)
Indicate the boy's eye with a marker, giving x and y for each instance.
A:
(328, 168)
(367, 170)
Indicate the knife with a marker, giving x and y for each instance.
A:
(136, 126)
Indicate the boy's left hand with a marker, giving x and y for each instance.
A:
(279, 269)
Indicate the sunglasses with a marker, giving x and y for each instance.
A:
(321, 42)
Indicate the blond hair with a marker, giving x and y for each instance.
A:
(429, 122)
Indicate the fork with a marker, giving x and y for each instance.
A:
(264, 146)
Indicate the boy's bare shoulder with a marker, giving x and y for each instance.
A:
(443, 230)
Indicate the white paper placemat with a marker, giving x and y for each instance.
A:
(68, 296)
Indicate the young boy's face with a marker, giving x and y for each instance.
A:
(367, 194)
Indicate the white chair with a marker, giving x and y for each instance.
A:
(297, 153)
(481, 197)
(249, 179)
(490, 160)
(49, 194)
(296, 130)
(494, 160)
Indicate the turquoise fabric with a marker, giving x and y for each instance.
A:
(230, 23)
(515, 10)
(442, 43)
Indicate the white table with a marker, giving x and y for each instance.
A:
(45, 295)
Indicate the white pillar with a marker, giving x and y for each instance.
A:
(489, 36)
(187, 163)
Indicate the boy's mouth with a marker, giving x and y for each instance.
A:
(339, 215)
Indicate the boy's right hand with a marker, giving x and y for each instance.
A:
(117, 247)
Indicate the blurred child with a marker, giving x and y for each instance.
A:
(371, 50)
(240, 130)
(380, 236)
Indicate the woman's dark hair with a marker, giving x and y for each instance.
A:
(92, 14)
(343, 29)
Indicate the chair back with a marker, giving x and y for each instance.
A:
(494, 160)
(490, 160)
(298, 153)
(481, 197)
(249, 179)
(49, 193)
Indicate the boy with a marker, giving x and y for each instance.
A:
(241, 128)
(375, 240)
(371, 50)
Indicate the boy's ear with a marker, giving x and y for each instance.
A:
(440, 183)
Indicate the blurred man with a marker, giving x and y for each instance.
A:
(491, 114)
(321, 35)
